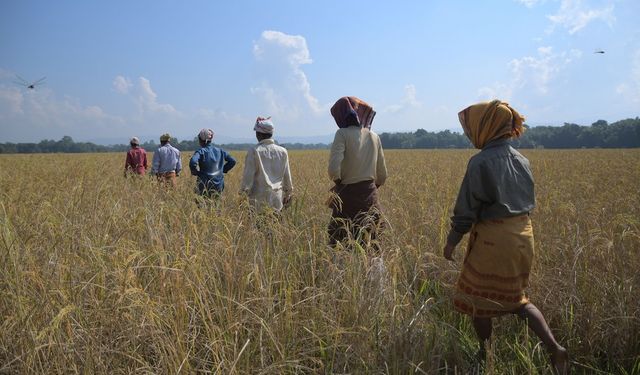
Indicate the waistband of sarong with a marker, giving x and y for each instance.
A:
(507, 219)
(360, 183)
(505, 223)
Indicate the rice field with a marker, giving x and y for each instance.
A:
(101, 274)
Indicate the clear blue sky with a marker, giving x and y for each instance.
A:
(116, 69)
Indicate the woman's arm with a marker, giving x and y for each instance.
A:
(337, 155)
(381, 166)
(471, 198)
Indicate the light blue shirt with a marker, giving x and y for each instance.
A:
(166, 159)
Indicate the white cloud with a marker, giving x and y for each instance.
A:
(216, 116)
(408, 101)
(11, 100)
(143, 96)
(532, 74)
(574, 15)
(631, 89)
(295, 46)
(275, 104)
(31, 115)
(148, 99)
(539, 71)
(496, 91)
(284, 86)
(529, 3)
(122, 84)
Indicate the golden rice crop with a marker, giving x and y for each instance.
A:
(101, 274)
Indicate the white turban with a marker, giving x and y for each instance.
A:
(206, 135)
(134, 141)
(264, 125)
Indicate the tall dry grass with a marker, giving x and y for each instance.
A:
(99, 274)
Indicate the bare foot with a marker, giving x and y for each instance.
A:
(560, 361)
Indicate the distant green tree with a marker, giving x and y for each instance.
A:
(620, 134)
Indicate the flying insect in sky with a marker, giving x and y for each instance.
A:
(29, 85)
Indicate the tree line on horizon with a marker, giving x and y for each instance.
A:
(600, 134)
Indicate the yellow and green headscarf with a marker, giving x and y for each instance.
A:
(487, 121)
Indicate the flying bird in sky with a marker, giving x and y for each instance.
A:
(29, 85)
(598, 51)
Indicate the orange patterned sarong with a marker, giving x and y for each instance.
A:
(496, 268)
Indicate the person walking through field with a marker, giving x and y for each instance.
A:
(357, 167)
(267, 179)
(209, 164)
(136, 162)
(493, 205)
(166, 165)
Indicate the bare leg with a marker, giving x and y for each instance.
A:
(535, 321)
(483, 327)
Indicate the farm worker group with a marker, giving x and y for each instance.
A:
(494, 202)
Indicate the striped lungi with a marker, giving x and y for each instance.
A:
(496, 268)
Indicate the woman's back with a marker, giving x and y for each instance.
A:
(356, 155)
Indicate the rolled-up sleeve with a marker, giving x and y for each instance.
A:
(471, 197)
(336, 157)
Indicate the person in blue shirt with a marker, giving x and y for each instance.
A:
(209, 164)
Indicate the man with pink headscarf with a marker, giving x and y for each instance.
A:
(209, 164)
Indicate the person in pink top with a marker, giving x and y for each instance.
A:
(136, 159)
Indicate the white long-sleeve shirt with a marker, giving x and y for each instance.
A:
(356, 155)
(267, 178)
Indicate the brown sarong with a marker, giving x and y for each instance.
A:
(355, 215)
(496, 268)
(168, 179)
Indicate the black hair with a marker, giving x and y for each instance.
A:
(262, 136)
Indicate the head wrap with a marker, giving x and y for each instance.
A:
(263, 125)
(134, 141)
(350, 110)
(165, 137)
(206, 135)
(487, 121)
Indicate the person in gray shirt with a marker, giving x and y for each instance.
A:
(493, 205)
